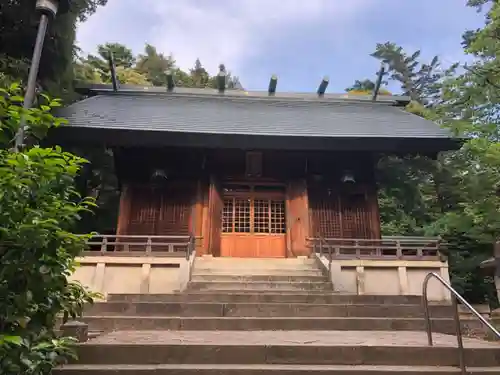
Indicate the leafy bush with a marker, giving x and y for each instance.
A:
(39, 206)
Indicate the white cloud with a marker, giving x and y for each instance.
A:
(229, 31)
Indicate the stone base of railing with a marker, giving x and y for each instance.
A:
(385, 277)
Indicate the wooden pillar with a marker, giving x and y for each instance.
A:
(297, 219)
(124, 211)
(198, 217)
(213, 219)
(374, 211)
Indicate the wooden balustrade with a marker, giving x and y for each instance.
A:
(416, 248)
(125, 245)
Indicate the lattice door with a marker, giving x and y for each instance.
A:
(258, 216)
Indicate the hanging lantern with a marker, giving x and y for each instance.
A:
(348, 178)
(159, 175)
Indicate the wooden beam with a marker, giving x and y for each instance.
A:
(323, 85)
(273, 82)
(221, 79)
(170, 81)
(112, 69)
(379, 82)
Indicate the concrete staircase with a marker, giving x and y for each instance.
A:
(256, 317)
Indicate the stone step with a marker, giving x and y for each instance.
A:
(216, 369)
(381, 348)
(245, 272)
(197, 277)
(259, 286)
(235, 297)
(142, 323)
(260, 262)
(256, 268)
(203, 309)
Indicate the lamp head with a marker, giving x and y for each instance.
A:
(53, 7)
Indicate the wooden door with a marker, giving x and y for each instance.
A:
(253, 222)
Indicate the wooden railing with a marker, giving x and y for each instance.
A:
(421, 248)
(125, 245)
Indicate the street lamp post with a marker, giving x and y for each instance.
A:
(48, 9)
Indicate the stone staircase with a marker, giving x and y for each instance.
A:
(255, 317)
(283, 275)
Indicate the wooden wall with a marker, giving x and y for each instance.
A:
(157, 210)
(344, 212)
(190, 200)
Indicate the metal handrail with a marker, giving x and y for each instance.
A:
(458, 329)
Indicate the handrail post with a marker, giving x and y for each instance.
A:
(456, 297)
(425, 303)
(458, 328)
(104, 244)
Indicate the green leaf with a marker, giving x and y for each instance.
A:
(14, 340)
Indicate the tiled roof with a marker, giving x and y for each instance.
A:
(249, 116)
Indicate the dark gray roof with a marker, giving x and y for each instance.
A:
(198, 114)
(104, 88)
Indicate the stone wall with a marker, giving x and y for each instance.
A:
(387, 277)
(132, 274)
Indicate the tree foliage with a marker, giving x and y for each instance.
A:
(456, 196)
(366, 87)
(39, 207)
(154, 65)
(419, 80)
(18, 28)
(148, 68)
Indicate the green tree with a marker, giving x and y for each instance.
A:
(465, 211)
(39, 207)
(86, 73)
(122, 55)
(366, 87)
(18, 28)
(130, 76)
(154, 65)
(199, 75)
(419, 80)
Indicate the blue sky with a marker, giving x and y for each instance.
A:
(299, 40)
